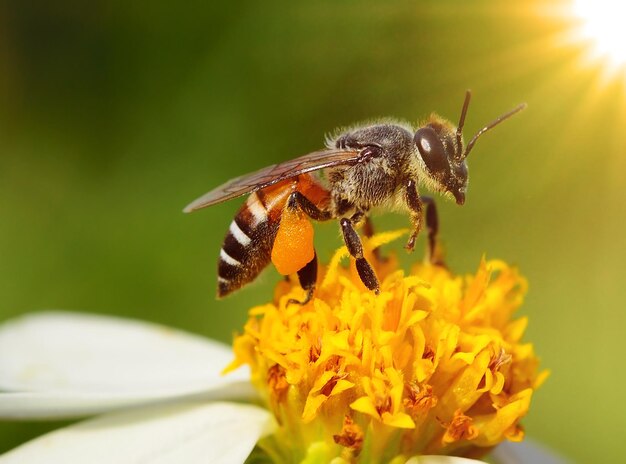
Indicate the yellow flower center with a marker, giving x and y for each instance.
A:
(434, 364)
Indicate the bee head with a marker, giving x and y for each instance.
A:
(441, 147)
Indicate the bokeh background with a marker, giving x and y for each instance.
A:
(114, 115)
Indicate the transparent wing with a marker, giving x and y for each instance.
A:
(272, 174)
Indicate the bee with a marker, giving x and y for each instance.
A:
(373, 166)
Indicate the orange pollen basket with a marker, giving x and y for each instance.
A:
(293, 246)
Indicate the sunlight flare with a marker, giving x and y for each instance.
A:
(602, 22)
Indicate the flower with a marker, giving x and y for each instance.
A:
(434, 364)
(157, 394)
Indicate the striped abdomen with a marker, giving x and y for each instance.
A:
(247, 248)
(248, 244)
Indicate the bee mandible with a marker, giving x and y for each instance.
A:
(371, 166)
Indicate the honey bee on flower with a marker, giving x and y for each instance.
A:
(436, 364)
(373, 166)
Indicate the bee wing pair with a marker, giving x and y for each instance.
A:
(273, 174)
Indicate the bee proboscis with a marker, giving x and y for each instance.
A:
(378, 165)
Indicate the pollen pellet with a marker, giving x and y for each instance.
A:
(293, 246)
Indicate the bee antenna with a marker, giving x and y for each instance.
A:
(459, 128)
(489, 126)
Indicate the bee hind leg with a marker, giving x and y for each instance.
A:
(298, 201)
(307, 277)
(355, 248)
(308, 274)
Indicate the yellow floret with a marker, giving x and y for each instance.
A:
(434, 364)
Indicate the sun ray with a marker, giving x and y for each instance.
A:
(594, 30)
(602, 23)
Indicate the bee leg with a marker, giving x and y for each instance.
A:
(298, 200)
(355, 247)
(432, 226)
(308, 274)
(414, 203)
(307, 277)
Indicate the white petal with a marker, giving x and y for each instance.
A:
(63, 405)
(221, 433)
(441, 460)
(94, 363)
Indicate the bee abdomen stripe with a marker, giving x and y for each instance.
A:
(228, 259)
(257, 209)
(239, 234)
(235, 249)
(260, 196)
(227, 271)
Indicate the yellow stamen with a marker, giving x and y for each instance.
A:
(351, 435)
(434, 363)
(460, 428)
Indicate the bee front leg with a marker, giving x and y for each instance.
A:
(355, 248)
(414, 203)
(432, 226)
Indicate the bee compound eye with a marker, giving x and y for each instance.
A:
(431, 149)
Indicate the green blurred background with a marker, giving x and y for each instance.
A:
(114, 115)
